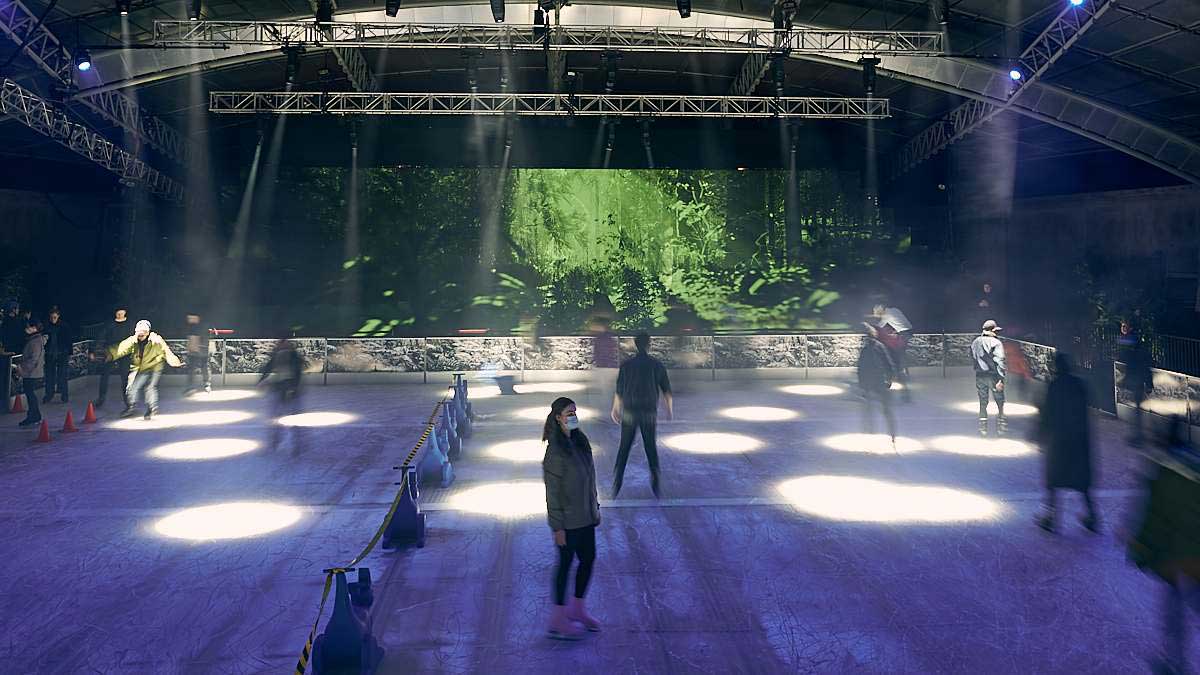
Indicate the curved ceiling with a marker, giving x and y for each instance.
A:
(1131, 83)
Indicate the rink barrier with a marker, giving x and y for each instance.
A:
(338, 573)
(1170, 394)
(333, 360)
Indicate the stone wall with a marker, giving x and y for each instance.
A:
(688, 352)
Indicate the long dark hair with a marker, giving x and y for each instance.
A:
(553, 430)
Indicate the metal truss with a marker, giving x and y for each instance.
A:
(752, 72)
(615, 105)
(38, 114)
(578, 38)
(1063, 32)
(352, 61)
(39, 44)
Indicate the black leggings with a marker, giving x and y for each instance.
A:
(581, 543)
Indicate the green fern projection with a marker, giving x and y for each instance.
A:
(549, 250)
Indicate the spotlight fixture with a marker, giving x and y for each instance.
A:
(941, 9)
(292, 69)
(778, 75)
(194, 13)
(324, 12)
(83, 60)
(540, 30)
(390, 7)
(868, 65)
(684, 7)
(1076, 3)
(497, 10)
(123, 6)
(1016, 75)
(611, 59)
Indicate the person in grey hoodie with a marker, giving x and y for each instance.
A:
(32, 369)
(573, 511)
(987, 354)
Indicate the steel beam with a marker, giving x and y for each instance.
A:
(577, 38)
(1064, 31)
(40, 115)
(352, 61)
(39, 44)
(613, 105)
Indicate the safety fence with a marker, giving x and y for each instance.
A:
(347, 643)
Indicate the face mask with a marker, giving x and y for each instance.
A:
(572, 423)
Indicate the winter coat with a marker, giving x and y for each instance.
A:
(570, 477)
(876, 371)
(116, 331)
(59, 334)
(13, 333)
(987, 355)
(148, 359)
(33, 358)
(1138, 362)
(1065, 436)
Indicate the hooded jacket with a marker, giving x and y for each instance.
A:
(987, 354)
(33, 357)
(150, 358)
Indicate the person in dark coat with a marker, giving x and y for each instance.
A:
(1138, 379)
(58, 356)
(114, 332)
(13, 331)
(573, 512)
(640, 382)
(1065, 437)
(876, 372)
(197, 354)
(284, 368)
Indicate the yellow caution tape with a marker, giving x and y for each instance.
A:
(306, 653)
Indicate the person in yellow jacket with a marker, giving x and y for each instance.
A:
(147, 352)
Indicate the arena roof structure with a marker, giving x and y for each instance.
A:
(1103, 86)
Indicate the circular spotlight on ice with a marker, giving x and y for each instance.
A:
(1010, 409)
(233, 520)
(982, 447)
(316, 419)
(528, 450)
(756, 413)
(223, 395)
(873, 444)
(192, 419)
(520, 499)
(712, 444)
(548, 387)
(812, 389)
(540, 412)
(482, 391)
(204, 448)
(874, 501)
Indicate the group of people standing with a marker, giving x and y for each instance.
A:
(45, 349)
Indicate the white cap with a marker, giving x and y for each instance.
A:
(142, 325)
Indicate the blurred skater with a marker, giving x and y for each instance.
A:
(197, 353)
(573, 512)
(987, 355)
(1065, 437)
(1166, 541)
(635, 408)
(1138, 379)
(148, 352)
(876, 372)
(895, 331)
(284, 369)
(58, 356)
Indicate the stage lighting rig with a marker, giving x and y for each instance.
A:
(497, 10)
(684, 7)
(83, 60)
(941, 10)
(292, 68)
(123, 7)
(611, 59)
(390, 7)
(194, 12)
(869, 63)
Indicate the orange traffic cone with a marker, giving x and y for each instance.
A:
(44, 433)
(18, 404)
(69, 425)
(90, 416)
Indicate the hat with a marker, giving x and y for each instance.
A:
(145, 325)
(990, 326)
